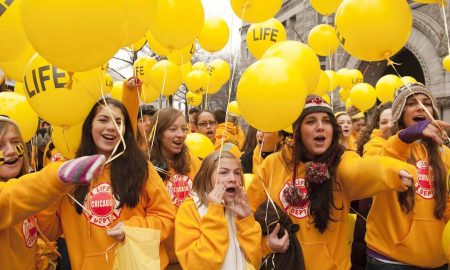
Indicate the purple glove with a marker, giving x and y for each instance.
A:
(81, 170)
(414, 132)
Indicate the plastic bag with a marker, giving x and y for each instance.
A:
(139, 250)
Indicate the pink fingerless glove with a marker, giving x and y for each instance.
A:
(81, 170)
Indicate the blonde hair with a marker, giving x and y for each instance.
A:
(6, 123)
(202, 181)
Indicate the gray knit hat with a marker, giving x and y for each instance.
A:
(404, 92)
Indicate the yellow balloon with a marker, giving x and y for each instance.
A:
(386, 86)
(382, 28)
(428, 1)
(248, 178)
(59, 97)
(139, 15)
(116, 92)
(348, 103)
(76, 35)
(193, 99)
(199, 145)
(351, 78)
(67, 139)
(199, 66)
(333, 80)
(341, 76)
(446, 240)
(149, 93)
(214, 35)
(233, 108)
(16, 107)
(155, 46)
(327, 99)
(142, 68)
(254, 11)
(138, 45)
(271, 94)
(363, 96)
(165, 77)
(214, 88)
(446, 63)
(185, 69)
(15, 69)
(325, 7)
(322, 39)
(18, 88)
(183, 55)
(177, 22)
(197, 82)
(323, 85)
(408, 79)
(14, 41)
(344, 94)
(219, 72)
(301, 56)
(260, 36)
(107, 84)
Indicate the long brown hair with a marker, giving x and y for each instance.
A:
(129, 171)
(202, 181)
(181, 161)
(4, 125)
(406, 198)
(320, 194)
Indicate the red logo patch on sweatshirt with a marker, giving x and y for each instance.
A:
(424, 187)
(103, 206)
(29, 232)
(179, 188)
(301, 211)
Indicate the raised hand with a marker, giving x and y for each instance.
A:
(278, 245)
(216, 195)
(240, 207)
(81, 170)
(407, 179)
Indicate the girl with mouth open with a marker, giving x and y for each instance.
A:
(215, 228)
(23, 194)
(176, 165)
(404, 229)
(314, 183)
(345, 122)
(129, 193)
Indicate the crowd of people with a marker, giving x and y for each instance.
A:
(133, 169)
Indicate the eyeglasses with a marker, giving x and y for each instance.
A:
(205, 124)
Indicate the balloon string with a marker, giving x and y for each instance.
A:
(442, 4)
(153, 132)
(422, 106)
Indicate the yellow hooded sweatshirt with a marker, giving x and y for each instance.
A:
(413, 238)
(88, 244)
(357, 178)
(376, 143)
(202, 243)
(19, 200)
(230, 133)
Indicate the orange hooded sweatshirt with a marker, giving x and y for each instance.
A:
(230, 133)
(413, 238)
(356, 177)
(88, 244)
(19, 200)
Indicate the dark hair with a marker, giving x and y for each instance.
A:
(181, 161)
(146, 109)
(193, 110)
(220, 114)
(198, 115)
(374, 123)
(250, 140)
(129, 171)
(406, 198)
(320, 194)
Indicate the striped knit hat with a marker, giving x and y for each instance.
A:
(404, 92)
(313, 104)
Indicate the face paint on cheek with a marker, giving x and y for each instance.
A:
(20, 150)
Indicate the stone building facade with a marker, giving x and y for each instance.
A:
(421, 57)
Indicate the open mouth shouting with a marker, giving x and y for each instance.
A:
(419, 118)
(319, 139)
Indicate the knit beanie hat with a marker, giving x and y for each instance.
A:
(404, 92)
(313, 104)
